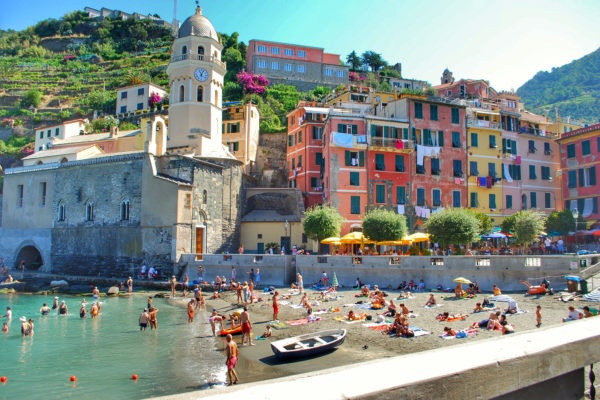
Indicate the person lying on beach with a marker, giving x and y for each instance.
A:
(449, 331)
(573, 315)
(391, 311)
(431, 301)
(478, 308)
(304, 299)
(215, 295)
(375, 292)
(391, 328)
(404, 310)
(586, 312)
(512, 308)
(9, 279)
(364, 292)
(405, 295)
(494, 321)
(402, 329)
(443, 317)
(507, 328)
(352, 316)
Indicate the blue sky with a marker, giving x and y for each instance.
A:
(506, 41)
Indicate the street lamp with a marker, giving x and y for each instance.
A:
(287, 224)
(576, 216)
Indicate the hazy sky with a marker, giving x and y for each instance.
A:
(506, 41)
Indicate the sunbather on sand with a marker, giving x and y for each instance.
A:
(573, 315)
(507, 328)
(449, 331)
(405, 295)
(404, 310)
(431, 301)
(494, 321)
(586, 312)
(352, 316)
(364, 291)
(478, 308)
(304, 299)
(402, 329)
(497, 291)
(443, 317)
(391, 311)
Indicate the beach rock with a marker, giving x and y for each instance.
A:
(162, 295)
(59, 283)
(113, 291)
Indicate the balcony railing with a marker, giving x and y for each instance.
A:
(537, 132)
(198, 57)
(391, 142)
(479, 123)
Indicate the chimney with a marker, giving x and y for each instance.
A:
(113, 131)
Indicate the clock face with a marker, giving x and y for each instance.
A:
(200, 74)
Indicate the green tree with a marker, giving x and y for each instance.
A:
(453, 226)
(354, 61)
(373, 60)
(235, 63)
(232, 91)
(101, 124)
(560, 221)
(485, 222)
(508, 224)
(32, 97)
(380, 224)
(389, 72)
(321, 222)
(528, 224)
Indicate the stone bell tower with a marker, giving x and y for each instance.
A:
(196, 75)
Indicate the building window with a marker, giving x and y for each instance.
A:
(354, 204)
(585, 148)
(274, 50)
(125, 210)
(184, 50)
(261, 64)
(435, 166)
(420, 196)
(328, 72)
(523, 202)
(340, 73)
(216, 98)
(354, 179)
(532, 172)
(456, 199)
(433, 112)
(261, 48)
(419, 110)
(547, 200)
(572, 179)
(140, 91)
(301, 53)
(20, 193)
(354, 159)
(40, 148)
(473, 200)
(181, 93)
(380, 194)
(379, 162)
(492, 170)
(319, 158)
(455, 116)
(274, 65)
(123, 109)
(62, 214)
(288, 67)
(546, 173)
(41, 134)
(457, 167)
(187, 201)
(204, 197)
(89, 211)
(123, 95)
(56, 132)
(456, 139)
(49, 133)
(598, 145)
(300, 161)
(533, 199)
(140, 106)
(314, 182)
(288, 52)
(301, 68)
(532, 148)
(400, 163)
(493, 144)
(43, 194)
(317, 132)
(436, 201)
(547, 150)
(473, 168)
(200, 50)
(474, 141)
(509, 202)
(199, 93)
(492, 201)
(571, 150)
(233, 146)
(400, 194)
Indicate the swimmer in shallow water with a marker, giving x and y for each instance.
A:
(45, 310)
(63, 310)
(82, 311)
(5, 328)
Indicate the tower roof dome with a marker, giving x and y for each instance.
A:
(198, 25)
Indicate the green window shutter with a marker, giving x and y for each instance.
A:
(293, 163)
(314, 132)
(355, 205)
(341, 128)
(361, 158)
(290, 141)
(354, 179)
(414, 135)
(379, 162)
(508, 201)
(399, 163)
(313, 182)
(299, 161)
(572, 179)
(492, 141)
(593, 175)
(519, 172)
(503, 145)
(420, 197)
(513, 146)
(427, 137)
(492, 201)
(585, 147)
(299, 136)
(533, 200)
(581, 177)
(386, 131)
(354, 129)
(474, 140)
(373, 130)
(473, 200)
(400, 194)
(441, 138)
(532, 172)
(347, 154)
(547, 200)
(405, 136)
(455, 116)
(437, 198)
(380, 193)
(598, 145)
(319, 158)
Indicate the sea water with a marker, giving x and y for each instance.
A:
(105, 352)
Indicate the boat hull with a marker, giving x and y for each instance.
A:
(281, 353)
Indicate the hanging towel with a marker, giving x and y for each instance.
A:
(482, 182)
(427, 212)
(573, 205)
(507, 174)
(588, 207)
(420, 154)
(418, 211)
(518, 160)
(343, 139)
(488, 182)
(457, 181)
(478, 181)
(399, 144)
(400, 208)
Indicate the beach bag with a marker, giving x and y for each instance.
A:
(369, 317)
(461, 335)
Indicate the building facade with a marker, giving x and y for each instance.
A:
(135, 98)
(241, 131)
(44, 136)
(302, 66)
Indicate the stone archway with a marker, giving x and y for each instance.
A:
(32, 257)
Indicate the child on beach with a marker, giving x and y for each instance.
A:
(478, 308)
(267, 333)
(538, 316)
(190, 311)
(431, 301)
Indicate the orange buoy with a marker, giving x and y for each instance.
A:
(2, 379)
(134, 377)
(73, 378)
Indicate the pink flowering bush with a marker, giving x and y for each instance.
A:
(356, 77)
(27, 151)
(252, 83)
(154, 100)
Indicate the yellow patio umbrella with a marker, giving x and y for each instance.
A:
(399, 242)
(332, 240)
(460, 279)
(355, 238)
(419, 237)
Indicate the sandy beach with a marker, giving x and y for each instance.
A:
(362, 343)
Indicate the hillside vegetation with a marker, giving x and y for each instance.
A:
(573, 88)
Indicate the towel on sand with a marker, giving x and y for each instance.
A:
(302, 321)
(462, 334)
(437, 305)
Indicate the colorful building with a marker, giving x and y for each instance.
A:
(302, 66)
(241, 131)
(136, 97)
(580, 160)
(46, 135)
(464, 88)
(360, 97)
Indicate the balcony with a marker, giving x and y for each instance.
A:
(198, 57)
(537, 132)
(480, 123)
(391, 143)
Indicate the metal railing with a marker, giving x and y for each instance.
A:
(198, 57)
(391, 142)
(480, 123)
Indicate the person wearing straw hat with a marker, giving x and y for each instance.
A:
(25, 327)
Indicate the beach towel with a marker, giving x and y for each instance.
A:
(302, 321)
(283, 302)
(377, 326)
(519, 312)
(462, 334)
(364, 306)
(418, 331)
(487, 309)
(343, 319)
(435, 306)
(296, 306)
(278, 325)
(405, 298)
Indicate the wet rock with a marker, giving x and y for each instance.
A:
(113, 291)
(59, 283)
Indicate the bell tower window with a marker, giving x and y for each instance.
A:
(217, 98)
(216, 55)
(201, 50)
(200, 93)
(184, 50)
(181, 94)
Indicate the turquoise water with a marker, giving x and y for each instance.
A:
(105, 352)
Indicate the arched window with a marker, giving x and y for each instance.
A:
(204, 197)
(184, 50)
(89, 211)
(200, 93)
(181, 93)
(125, 210)
(201, 50)
(217, 98)
(62, 215)
(215, 54)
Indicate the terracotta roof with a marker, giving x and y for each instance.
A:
(58, 152)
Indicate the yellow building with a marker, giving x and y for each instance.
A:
(241, 130)
(484, 158)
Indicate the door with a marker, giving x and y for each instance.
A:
(260, 248)
(286, 242)
(199, 243)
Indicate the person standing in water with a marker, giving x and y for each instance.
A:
(25, 327)
(130, 285)
(143, 320)
(63, 310)
(185, 282)
(82, 311)
(152, 318)
(94, 310)
(95, 292)
(55, 304)
(5, 327)
(173, 284)
(8, 314)
(190, 311)
(232, 356)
